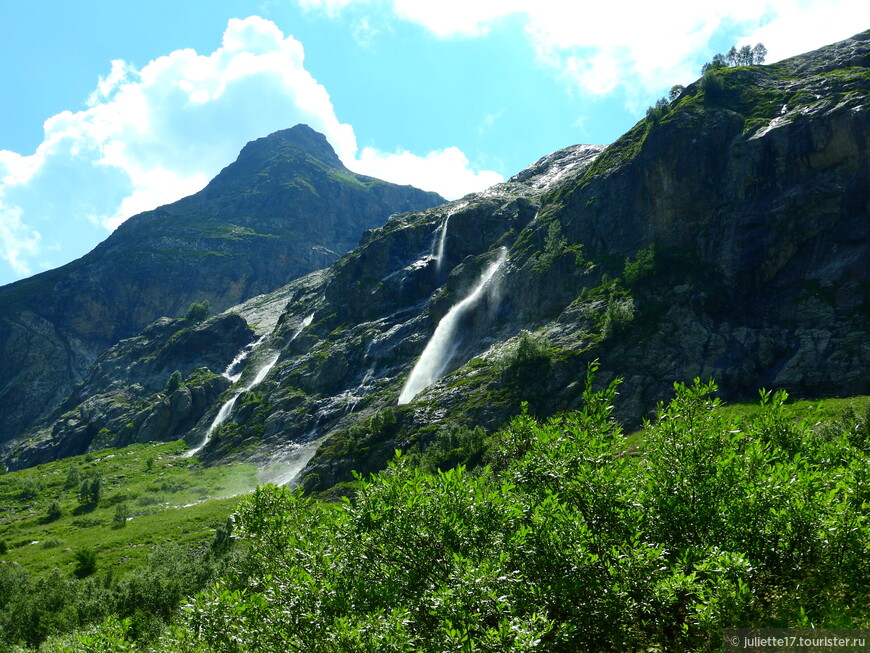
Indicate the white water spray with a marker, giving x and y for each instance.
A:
(227, 408)
(286, 468)
(441, 346)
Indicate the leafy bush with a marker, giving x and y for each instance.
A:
(526, 362)
(761, 522)
(86, 562)
(618, 314)
(198, 311)
(656, 112)
(54, 510)
(90, 491)
(122, 513)
(641, 268)
(31, 488)
(73, 477)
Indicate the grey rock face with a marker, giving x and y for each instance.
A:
(128, 396)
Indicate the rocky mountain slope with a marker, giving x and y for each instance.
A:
(287, 206)
(726, 236)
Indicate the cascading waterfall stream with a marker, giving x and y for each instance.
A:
(227, 408)
(439, 252)
(441, 346)
(438, 247)
(234, 370)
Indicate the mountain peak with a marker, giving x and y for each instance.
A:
(300, 137)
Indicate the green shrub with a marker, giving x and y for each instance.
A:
(526, 362)
(760, 522)
(52, 543)
(198, 311)
(86, 562)
(122, 513)
(54, 510)
(172, 383)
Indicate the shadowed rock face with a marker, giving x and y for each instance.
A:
(286, 207)
(727, 239)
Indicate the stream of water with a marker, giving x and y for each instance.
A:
(442, 345)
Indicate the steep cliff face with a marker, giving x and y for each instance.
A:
(725, 237)
(286, 207)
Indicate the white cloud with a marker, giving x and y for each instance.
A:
(17, 239)
(640, 47)
(148, 137)
(446, 171)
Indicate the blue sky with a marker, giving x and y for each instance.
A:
(114, 108)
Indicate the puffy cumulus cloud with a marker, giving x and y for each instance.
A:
(152, 135)
(639, 47)
(446, 171)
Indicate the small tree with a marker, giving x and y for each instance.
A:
(86, 562)
(198, 311)
(54, 510)
(90, 491)
(73, 477)
(122, 514)
(657, 111)
(30, 488)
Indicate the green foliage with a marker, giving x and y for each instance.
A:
(745, 56)
(568, 542)
(90, 491)
(86, 562)
(453, 445)
(122, 514)
(658, 111)
(172, 383)
(554, 245)
(642, 268)
(712, 84)
(618, 314)
(30, 488)
(73, 477)
(198, 311)
(54, 510)
(526, 362)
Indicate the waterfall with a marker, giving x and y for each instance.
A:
(361, 389)
(286, 467)
(235, 368)
(439, 252)
(304, 323)
(441, 346)
(227, 408)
